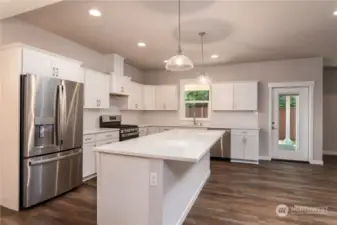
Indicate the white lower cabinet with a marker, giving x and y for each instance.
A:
(143, 131)
(89, 160)
(152, 130)
(244, 146)
(89, 156)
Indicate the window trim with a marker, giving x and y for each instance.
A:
(182, 100)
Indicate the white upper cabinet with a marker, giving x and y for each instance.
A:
(166, 97)
(114, 64)
(135, 99)
(119, 84)
(245, 96)
(68, 70)
(37, 63)
(149, 97)
(222, 96)
(96, 90)
(44, 64)
(240, 96)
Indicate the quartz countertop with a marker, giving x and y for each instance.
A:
(203, 126)
(99, 130)
(179, 145)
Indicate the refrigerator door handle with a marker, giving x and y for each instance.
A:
(58, 128)
(33, 163)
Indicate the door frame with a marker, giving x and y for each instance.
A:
(308, 84)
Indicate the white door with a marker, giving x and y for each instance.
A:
(160, 98)
(171, 97)
(91, 84)
(290, 124)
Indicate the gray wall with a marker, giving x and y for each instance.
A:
(330, 109)
(310, 69)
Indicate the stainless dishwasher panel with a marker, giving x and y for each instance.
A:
(50, 175)
(221, 148)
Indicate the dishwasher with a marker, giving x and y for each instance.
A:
(222, 148)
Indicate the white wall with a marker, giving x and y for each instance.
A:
(310, 69)
(15, 30)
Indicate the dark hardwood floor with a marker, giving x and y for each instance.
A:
(236, 194)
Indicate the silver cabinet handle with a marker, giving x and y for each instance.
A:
(108, 136)
(33, 163)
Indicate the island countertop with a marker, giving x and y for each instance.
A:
(179, 145)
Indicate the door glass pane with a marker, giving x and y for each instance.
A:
(197, 110)
(288, 122)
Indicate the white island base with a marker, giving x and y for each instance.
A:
(152, 180)
(143, 191)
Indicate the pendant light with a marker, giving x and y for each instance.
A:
(179, 62)
(203, 78)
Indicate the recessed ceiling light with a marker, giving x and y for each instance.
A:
(165, 61)
(141, 44)
(335, 13)
(95, 12)
(214, 56)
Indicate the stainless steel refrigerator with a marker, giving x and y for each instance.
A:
(51, 137)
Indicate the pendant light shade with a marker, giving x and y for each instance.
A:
(179, 62)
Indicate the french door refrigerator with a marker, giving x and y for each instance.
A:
(51, 137)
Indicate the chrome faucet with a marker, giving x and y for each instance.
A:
(194, 120)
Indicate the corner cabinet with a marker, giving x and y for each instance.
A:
(244, 146)
(238, 96)
(96, 90)
(119, 85)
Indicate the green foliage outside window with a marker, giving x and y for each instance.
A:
(197, 95)
(282, 101)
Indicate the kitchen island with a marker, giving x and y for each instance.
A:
(153, 180)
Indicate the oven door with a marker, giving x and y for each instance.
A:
(128, 136)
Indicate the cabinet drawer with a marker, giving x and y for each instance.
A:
(107, 135)
(244, 132)
(88, 138)
(106, 142)
(144, 129)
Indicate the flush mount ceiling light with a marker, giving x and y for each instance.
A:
(202, 78)
(215, 56)
(179, 62)
(95, 12)
(141, 44)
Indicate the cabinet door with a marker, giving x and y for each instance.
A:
(138, 96)
(89, 162)
(245, 96)
(91, 89)
(152, 130)
(222, 96)
(171, 97)
(160, 102)
(132, 99)
(237, 147)
(68, 70)
(37, 63)
(103, 89)
(120, 84)
(252, 147)
(149, 97)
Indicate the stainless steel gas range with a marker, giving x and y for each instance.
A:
(126, 132)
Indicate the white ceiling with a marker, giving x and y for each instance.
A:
(239, 31)
(10, 8)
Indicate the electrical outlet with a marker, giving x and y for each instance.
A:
(153, 179)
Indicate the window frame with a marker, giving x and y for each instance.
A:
(182, 109)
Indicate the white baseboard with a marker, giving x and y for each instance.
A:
(267, 158)
(244, 161)
(330, 152)
(191, 203)
(89, 177)
(316, 162)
